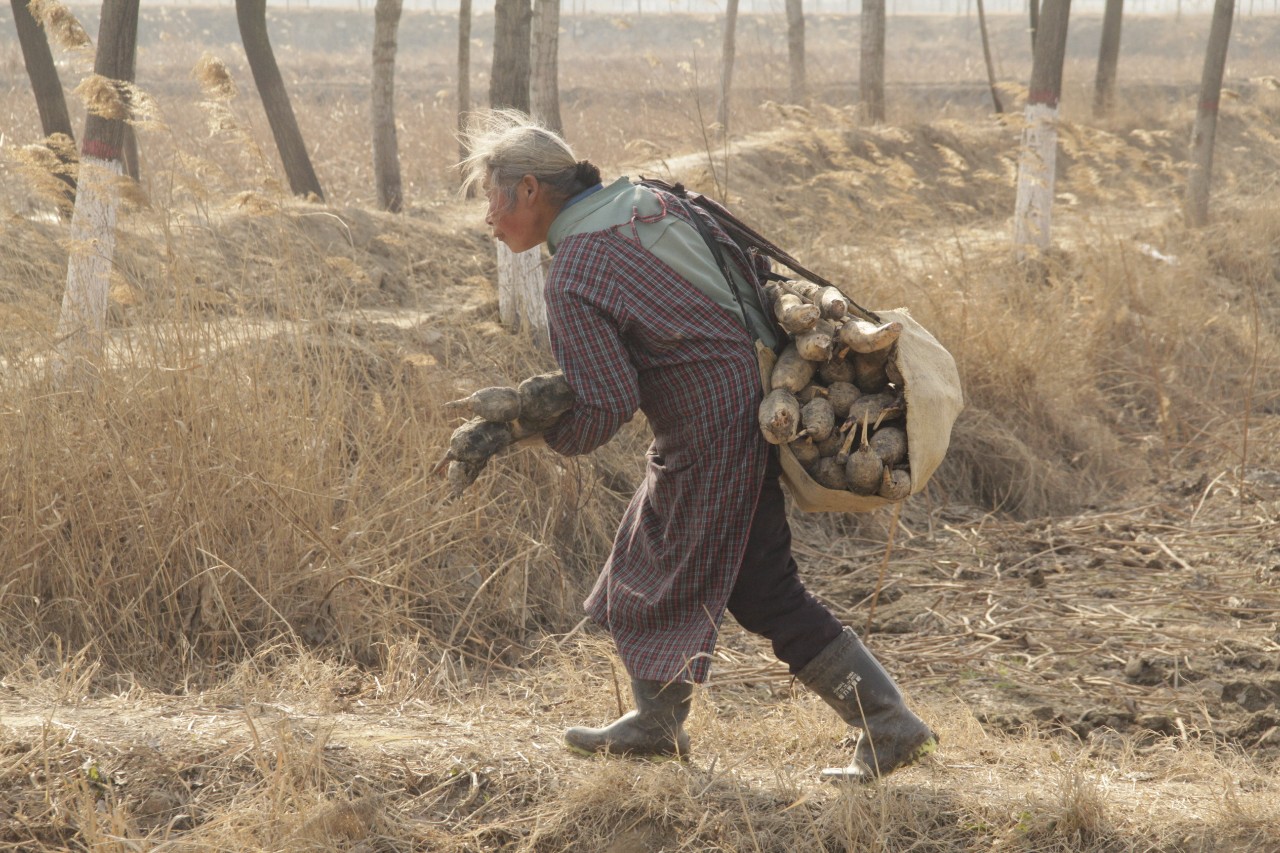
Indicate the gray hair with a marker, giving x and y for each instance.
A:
(506, 144)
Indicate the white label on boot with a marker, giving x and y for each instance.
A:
(847, 685)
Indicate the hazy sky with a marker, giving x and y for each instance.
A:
(630, 7)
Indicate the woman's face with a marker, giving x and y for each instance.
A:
(521, 222)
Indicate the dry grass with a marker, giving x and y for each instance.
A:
(294, 766)
(238, 612)
(216, 496)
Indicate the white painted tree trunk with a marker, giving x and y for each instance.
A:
(1037, 162)
(520, 300)
(81, 333)
(1033, 209)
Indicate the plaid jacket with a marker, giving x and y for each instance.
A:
(631, 333)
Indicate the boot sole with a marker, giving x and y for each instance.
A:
(606, 753)
(864, 777)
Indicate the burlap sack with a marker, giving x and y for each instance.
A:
(934, 400)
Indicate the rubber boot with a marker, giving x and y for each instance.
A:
(852, 681)
(654, 729)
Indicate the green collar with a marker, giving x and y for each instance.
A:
(608, 208)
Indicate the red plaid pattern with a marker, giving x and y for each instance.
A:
(631, 333)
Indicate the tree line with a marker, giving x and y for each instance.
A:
(523, 76)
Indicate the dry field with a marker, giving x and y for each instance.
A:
(237, 612)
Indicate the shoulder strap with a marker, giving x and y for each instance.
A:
(718, 254)
(746, 236)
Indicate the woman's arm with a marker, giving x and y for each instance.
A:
(588, 345)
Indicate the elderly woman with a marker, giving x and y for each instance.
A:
(644, 316)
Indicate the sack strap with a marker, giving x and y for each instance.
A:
(718, 254)
(745, 235)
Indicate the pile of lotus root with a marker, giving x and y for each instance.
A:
(835, 396)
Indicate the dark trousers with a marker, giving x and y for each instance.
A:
(768, 598)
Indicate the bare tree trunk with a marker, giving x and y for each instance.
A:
(520, 278)
(871, 60)
(1215, 61)
(81, 332)
(1033, 12)
(509, 81)
(1104, 84)
(726, 64)
(986, 56)
(252, 17)
(464, 72)
(41, 70)
(386, 152)
(795, 50)
(544, 87)
(1037, 162)
(51, 103)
